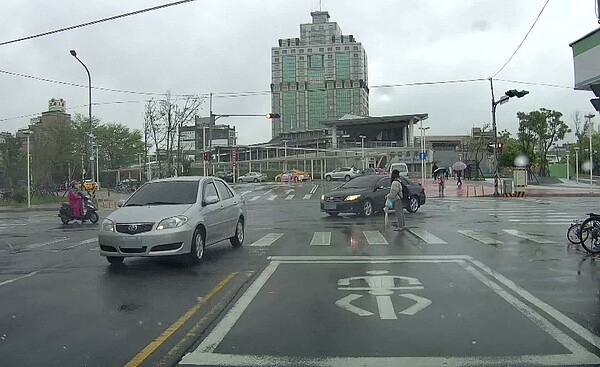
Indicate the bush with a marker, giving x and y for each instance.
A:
(19, 195)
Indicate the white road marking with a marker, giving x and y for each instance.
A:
(345, 303)
(375, 238)
(307, 196)
(215, 337)
(288, 191)
(526, 236)
(525, 214)
(314, 189)
(84, 242)
(427, 237)
(536, 221)
(321, 239)
(24, 276)
(38, 245)
(272, 197)
(255, 198)
(421, 303)
(385, 308)
(268, 191)
(245, 192)
(289, 197)
(480, 237)
(267, 240)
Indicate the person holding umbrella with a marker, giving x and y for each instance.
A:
(459, 167)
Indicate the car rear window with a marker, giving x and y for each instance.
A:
(361, 182)
(165, 193)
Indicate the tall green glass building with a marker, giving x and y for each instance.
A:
(320, 75)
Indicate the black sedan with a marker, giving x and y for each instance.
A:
(365, 196)
(225, 175)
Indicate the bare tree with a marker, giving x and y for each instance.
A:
(476, 149)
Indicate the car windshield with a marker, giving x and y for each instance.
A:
(165, 193)
(361, 182)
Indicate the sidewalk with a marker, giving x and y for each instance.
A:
(468, 188)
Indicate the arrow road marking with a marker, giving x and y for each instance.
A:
(346, 305)
(422, 302)
(386, 308)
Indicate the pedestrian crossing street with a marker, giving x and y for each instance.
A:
(427, 237)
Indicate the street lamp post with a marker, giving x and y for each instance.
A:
(423, 147)
(74, 54)
(28, 133)
(577, 164)
(362, 145)
(98, 166)
(590, 130)
(568, 176)
(285, 155)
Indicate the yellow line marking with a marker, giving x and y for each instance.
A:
(156, 343)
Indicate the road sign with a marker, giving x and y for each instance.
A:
(382, 286)
(423, 156)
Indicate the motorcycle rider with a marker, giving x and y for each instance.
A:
(75, 200)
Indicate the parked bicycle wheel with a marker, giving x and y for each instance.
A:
(589, 234)
(573, 234)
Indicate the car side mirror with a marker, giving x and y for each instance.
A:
(120, 203)
(210, 200)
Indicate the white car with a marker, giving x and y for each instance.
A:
(342, 173)
(253, 177)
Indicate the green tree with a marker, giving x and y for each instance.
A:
(119, 145)
(12, 161)
(511, 149)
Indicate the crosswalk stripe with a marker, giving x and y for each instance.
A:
(267, 240)
(307, 196)
(427, 237)
(526, 236)
(314, 189)
(321, 239)
(536, 221)
(477, 236)
(375, 238)
(289, 197)
(272, 197)
(245, 192)
(255, 198)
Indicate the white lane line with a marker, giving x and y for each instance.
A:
(427, 237)
(557, 315)
(217, 335)
(255, 198)
(267, 240)
(272, 197)
(477, 236)
(321, 239)
(314, 189)
(375, 238)
(245, 192)
(536, 221)
(307, 196)
(289, 197)
(526, 236)
(84, 242)
(268, 192)
(38, 245)
(25, 276)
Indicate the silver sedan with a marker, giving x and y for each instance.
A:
(174, 216)
(253, 177)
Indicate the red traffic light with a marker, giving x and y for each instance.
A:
(271, 115)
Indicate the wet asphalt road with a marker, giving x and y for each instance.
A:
(473, 281)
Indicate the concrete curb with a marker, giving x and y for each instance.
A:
(32, 209)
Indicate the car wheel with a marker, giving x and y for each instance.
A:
(197, 251)
(64, 219)
(240, 180)
(347, 178)
(238, 239)
(333, 214)
(94, 217)
(115, 260)
(367, 208)
(413, 204)
(256, 180)
(328, 178)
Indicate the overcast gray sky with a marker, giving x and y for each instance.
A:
(224, 46)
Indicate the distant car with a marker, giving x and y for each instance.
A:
(292, 175)
(253, 177)
(342, 173)
(401, 167)
(174, 216)
(365, 196)
(225, 175)
(374, 171)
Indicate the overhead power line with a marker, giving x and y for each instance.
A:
(523, 40)
(114, 17)
(535, 83)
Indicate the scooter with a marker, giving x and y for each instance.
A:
(66, 215)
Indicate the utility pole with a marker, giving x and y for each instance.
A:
(590, 130)
(494, 131)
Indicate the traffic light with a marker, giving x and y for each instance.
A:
(271, 115)
(491, 148)
(516, 93)
(500, 148)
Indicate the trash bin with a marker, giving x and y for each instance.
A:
(507, 185)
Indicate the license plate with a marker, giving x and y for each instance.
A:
(329, 206)
(131, 242)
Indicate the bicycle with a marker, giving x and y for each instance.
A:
(573, 232)
(590, 230)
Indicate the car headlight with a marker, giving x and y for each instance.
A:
(352, 197)
(172, 222)
(322, 197)
(108, 225)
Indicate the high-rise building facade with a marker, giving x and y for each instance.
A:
(320, 75)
